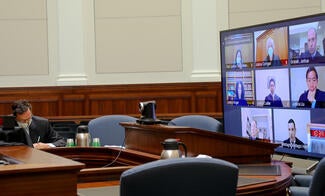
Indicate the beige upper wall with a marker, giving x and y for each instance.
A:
(58, 42)
(138, 36)
(261, 11)
(23, 38)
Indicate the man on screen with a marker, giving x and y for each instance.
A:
(312, 52)
(272, 100)
(293, 142)
(313, 97)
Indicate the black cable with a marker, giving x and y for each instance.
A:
(118, 155)
(283, 155)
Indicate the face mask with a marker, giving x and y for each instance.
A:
(238, 60)
(270, 51)
(24, 125)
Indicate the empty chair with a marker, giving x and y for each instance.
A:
(108, 129)
(198, 121)
(313, 185)
(180, 176)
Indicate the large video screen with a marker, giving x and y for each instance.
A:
(273, 84)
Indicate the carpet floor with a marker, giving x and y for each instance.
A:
(100, 191)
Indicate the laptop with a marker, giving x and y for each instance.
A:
(7, 122)
(11, 134)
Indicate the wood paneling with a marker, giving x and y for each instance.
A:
(171, 98)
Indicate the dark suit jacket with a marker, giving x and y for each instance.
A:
(275, 61)
(276, 102)
(40, 127)
(319, 96)
(317, 58)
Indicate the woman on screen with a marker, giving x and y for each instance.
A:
(271, 59)
(254, 134)
(240, 94)
(238, 62)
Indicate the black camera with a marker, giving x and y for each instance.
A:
(148, 113)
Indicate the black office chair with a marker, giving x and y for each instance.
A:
(199, 122)
(313, 185)
(108, 129)
(180, 176)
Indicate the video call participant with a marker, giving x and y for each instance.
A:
(313, 97)
(39, 129)
(240, 94)
(271, 59)
(272, 99)
(254, 132)
(238, 62)
(312, 54)
(293, 142)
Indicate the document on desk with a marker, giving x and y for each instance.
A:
(115, 146)
(259, 170)
(246, 181)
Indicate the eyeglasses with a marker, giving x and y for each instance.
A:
(24, 118)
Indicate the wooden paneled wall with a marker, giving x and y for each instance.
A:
(171, 98)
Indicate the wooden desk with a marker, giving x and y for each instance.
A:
(276, 186)
(41, 173)
(100, 177)
(148, 138)
(103, 163)
(37, 173)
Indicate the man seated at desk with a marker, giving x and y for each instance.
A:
(39, 129)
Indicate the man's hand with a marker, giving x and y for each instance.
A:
(41, 145)
(311, 96)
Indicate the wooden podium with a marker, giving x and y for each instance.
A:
(34, 172)
(148, 138)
